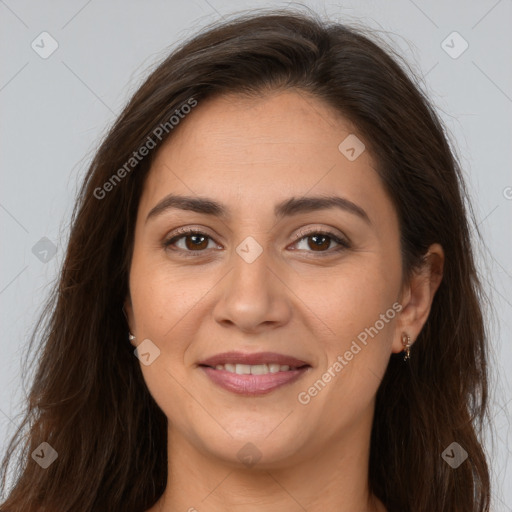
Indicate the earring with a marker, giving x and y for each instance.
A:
(131, 337)
(406, 342)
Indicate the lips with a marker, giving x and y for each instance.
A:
(253, 374)
(259, 358)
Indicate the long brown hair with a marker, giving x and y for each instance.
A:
(88, 398)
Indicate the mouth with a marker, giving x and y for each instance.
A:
(255, 369)
(253, 374)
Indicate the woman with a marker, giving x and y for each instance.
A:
(269, 298)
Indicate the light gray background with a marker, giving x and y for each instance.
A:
(54, 112)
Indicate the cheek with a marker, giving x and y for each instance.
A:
(160, 304)
(163, 295)
(354, 331)
(354, 328)
(346, 300)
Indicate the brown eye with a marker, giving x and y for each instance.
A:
(190, 241)
(320, 241)
(194, 242)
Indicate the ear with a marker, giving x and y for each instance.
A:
(417, 296)
(128, 313)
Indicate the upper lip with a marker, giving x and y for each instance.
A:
(253, 359)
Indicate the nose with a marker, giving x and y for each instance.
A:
(253, 296)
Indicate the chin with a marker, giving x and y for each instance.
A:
(257, 449)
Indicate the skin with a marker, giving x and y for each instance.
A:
(250, 154)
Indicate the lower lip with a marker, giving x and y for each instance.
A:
(252, 384)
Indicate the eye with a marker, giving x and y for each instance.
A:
(320, 241)
(189, 240)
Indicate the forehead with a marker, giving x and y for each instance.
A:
(235, 130)
(261, 150)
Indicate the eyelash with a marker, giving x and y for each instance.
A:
(342, 244)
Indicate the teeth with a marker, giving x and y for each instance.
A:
(274, 368)
(243, 369)
(258, 369)
(254, 369)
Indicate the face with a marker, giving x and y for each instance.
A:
(265, 270)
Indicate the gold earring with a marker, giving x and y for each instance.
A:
(406, 342)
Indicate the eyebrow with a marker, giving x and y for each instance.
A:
(289, 207)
